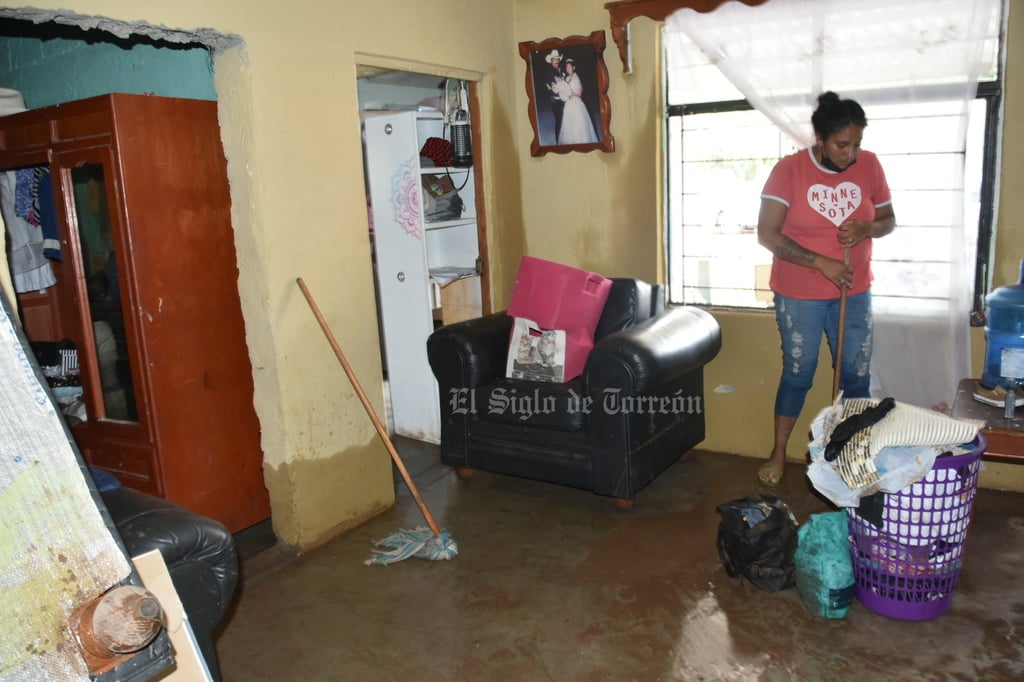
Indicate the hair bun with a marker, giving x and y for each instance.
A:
(828, 98)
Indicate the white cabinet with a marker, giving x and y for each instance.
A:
(412, 235)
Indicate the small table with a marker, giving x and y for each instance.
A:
(1005, 436)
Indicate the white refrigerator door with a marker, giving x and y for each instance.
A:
(393, 174)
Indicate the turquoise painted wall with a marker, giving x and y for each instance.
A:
(57, 70)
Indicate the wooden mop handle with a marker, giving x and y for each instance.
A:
(369, 408)
(841, 333)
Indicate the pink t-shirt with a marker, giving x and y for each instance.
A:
(818, 201)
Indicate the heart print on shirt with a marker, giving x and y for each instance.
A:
(835, 203)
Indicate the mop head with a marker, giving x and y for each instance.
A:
(419, 542)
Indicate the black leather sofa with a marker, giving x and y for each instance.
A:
(635, 410)
(199, 552)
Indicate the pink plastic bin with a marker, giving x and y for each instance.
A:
(557, 296)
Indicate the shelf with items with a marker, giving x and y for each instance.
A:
(445, 200)
(438, 170)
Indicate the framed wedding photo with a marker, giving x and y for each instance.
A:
(567, 84)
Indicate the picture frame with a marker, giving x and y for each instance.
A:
(568, 76)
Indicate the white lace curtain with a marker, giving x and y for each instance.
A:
(781, 55)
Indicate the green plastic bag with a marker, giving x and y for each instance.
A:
(824, 569)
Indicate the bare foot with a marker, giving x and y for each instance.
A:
(770, 473)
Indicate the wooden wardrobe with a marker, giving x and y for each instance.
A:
(147, 267)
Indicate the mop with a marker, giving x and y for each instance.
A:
(425, 543)
(837, 372)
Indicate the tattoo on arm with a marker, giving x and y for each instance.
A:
(794, 253)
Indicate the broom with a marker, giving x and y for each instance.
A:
(433, 544)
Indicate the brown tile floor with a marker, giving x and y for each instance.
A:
(554, 583)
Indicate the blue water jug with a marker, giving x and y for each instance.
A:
(1005, 329)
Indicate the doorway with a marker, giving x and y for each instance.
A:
(427, 228)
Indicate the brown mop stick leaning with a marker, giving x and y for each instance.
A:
(369, 409)
(842, 332)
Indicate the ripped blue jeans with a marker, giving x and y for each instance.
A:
(801, 324)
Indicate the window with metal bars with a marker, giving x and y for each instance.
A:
(719, 155)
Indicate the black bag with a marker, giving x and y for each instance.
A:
(757, 539)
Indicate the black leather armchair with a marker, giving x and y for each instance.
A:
(199, 552)
(637, 407)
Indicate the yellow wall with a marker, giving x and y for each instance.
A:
(595, 210)
(613, 228)
(1009, 243)
(291, 132)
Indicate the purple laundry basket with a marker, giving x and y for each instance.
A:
(909, 568)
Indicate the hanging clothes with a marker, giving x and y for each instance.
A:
(30, 268)
(46, 210)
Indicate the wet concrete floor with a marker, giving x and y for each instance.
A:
(554, 583)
